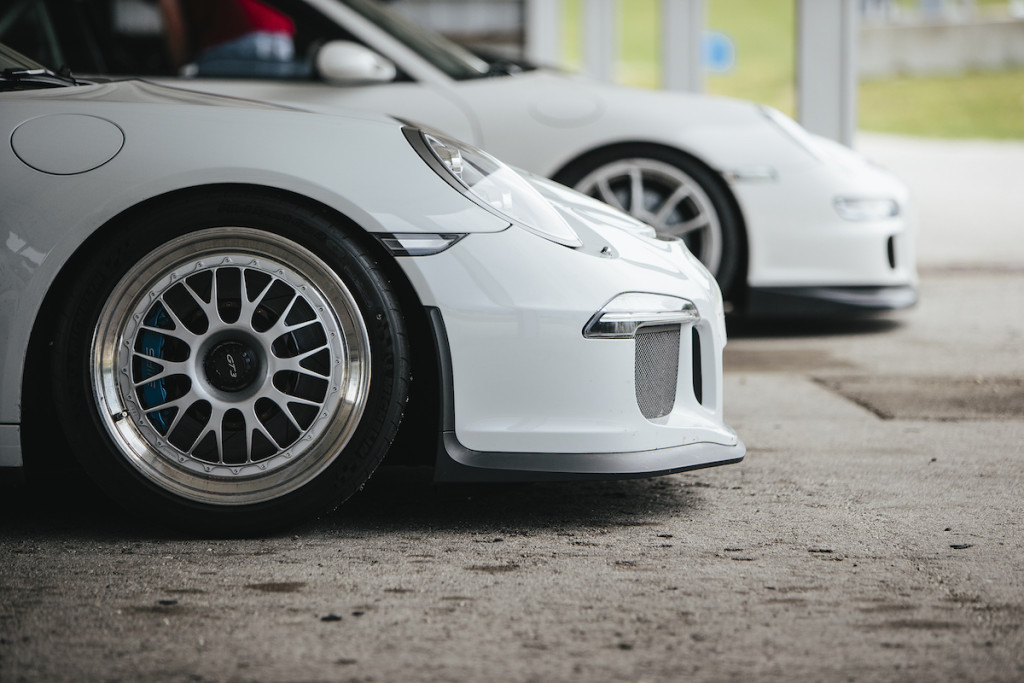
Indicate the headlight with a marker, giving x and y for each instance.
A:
(492, 185)
(866, 208)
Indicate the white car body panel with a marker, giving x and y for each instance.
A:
(43, 234)
(845, 252)
(419, 103)
(541, 120)
(513, 304)
(591, 408)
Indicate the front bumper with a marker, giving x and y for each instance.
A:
(526, 396)
(764, 302)
(801, 250)
(455, 463)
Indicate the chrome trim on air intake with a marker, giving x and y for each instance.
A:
(621, 317)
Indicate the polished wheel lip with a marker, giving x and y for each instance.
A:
(222, 483)
(646, 175)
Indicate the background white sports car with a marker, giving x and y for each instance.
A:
(220, 305)
(788, 222)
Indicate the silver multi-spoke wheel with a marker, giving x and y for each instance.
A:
(230, 366)
(230, 360)
(664, 196)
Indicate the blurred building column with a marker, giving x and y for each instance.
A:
(682, 25)
(600, 39)
(543, 31)
(826, 67)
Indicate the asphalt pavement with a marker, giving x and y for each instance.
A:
(873, 533)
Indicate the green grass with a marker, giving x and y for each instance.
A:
(764, 33)
(640, 44)
(977, 105)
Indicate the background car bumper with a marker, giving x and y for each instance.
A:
(762, 302)
(797, 238)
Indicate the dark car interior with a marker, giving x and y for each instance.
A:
(123, 37)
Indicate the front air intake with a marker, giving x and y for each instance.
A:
(657, 369)
(698, 367)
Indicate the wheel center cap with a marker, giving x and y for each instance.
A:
(231, 366)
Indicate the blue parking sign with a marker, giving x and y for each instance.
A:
(717, 52)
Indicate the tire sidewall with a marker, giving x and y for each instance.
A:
(135, 235)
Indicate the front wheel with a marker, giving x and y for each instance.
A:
(671, 192)
(231, 366)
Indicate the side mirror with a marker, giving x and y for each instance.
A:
(344, 63)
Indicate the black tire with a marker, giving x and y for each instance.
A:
(680, 196)
(230, 363)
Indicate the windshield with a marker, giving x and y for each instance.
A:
(9, 59)
(18, 72)
(455, 61)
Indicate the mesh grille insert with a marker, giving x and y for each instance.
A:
(657, 369)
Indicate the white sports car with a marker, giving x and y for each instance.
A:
(222, 304)
(788, 222)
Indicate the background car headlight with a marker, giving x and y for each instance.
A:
(866, 208)
(492, 185)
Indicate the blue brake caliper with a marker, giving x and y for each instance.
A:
(154, 393)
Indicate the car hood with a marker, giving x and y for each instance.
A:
(567, 114)
(138, 91)
(608, 232)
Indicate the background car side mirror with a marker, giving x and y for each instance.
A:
(343, 62)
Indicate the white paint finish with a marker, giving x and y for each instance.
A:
(344, 62)
(416, 102)
(499, 115)
(792, 239)
(515, 303)
(784, 232)
(565, 107)
(66, 144)
(725, 132)
(10, 446)
(542, 120)
(355, 164)
(375, 38)
(526, 380)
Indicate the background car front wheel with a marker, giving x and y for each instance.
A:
(231, 364)
(672, 192)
